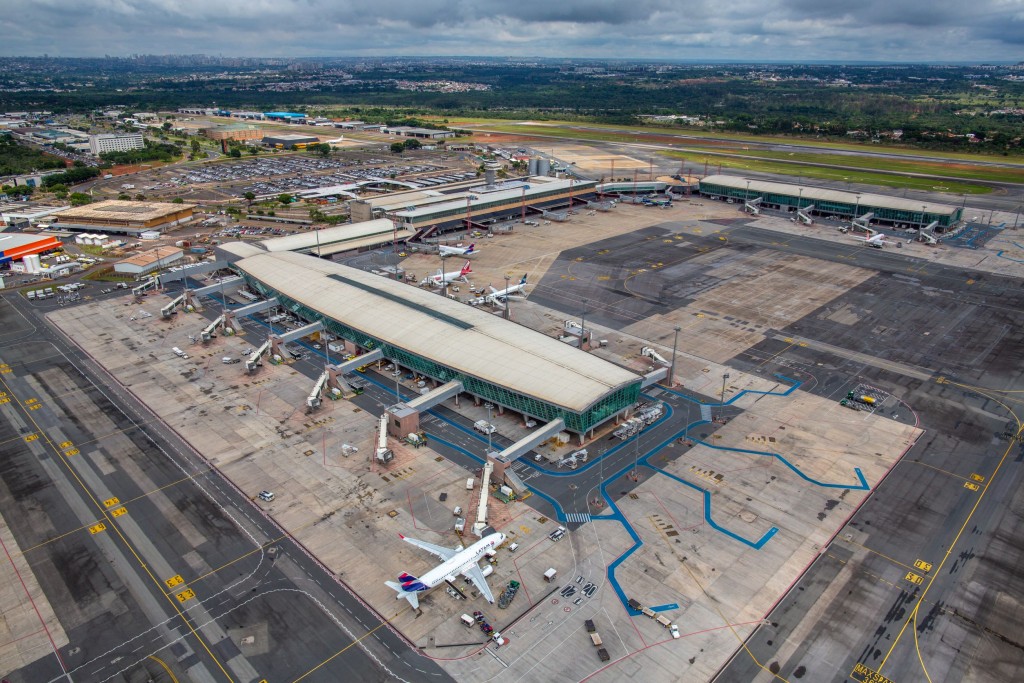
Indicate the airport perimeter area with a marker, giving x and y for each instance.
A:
(786, 535)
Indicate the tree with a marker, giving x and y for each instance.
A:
(177, 200)
(80, 199)
(235, 153)
(285, 198)
(397, 147)
(412, 143)
(249, 197)
(167, 125)
(196, 146)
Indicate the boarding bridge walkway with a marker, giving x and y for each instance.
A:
(349, 366)
(442, 393)
(228, 284)
(654, 377)
(534, 438)
(753, 206)
(175, 275)
(864, 222)
(804, 214)
(298, 333)
(252, 309)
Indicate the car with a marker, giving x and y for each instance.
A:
(266, 496)
(318, 346)
(674, 630)
(402, 254)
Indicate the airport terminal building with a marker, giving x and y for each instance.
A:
(494, 359)
(884, 210)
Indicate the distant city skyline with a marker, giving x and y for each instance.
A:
(941, 31)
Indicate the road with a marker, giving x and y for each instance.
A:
(148, 556)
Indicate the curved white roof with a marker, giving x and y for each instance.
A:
(453, 334)
(329, 236)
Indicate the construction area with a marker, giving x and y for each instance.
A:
(719, 440)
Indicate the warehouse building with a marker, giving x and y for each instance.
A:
(232, 131)
(148, 261)
(818, 201)
(289, 141)
(415, 132)
(495, 360)
(124, 217)
(110, 142)
(286, 116)
(15, 246)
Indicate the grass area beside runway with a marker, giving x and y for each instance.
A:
(616, 133)
(841, 175)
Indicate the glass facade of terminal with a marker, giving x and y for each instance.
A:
(833, 208)
(578, 422)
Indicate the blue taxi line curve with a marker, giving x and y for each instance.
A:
(1015, 260)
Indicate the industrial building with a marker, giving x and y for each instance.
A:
(288, 116)
(110, 142)
(148, 261)
(477, 205)
(415, 132)
(124, 217)
(353, 236)
(817, 201)
(232, 131)
(492, 359)
(290, 141)
(18, 245)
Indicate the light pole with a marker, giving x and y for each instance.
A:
(489, 407)
(746, 195)
(672, 369)
(507, 278)
(800, 200)
(923, 206)
(856, 208)
(583, 325)
(1017, 219)
(724, 377)
(444, 281)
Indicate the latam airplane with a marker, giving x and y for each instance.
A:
(454, 561)
(457, 251)
(496, 296)
(442, 278)
(877, 240)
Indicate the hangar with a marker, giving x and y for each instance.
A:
(131, 218)
(494, 359)
(348, 237)
(884, 210)
(17, 245)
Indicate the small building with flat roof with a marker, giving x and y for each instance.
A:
(148, 261)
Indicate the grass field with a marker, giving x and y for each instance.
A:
(841, 175)
(610, 133)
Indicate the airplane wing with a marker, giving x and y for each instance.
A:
(476, 575)
(439, 550)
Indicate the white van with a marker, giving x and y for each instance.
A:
(179, 353)
(469, 484)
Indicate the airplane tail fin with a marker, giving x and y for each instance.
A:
(411, 596)
(523, 281)
(466, 269)
(470, 249)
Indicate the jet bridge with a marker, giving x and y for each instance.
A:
(208, 332)
(228, 284)
(537, 436)
(315, 396)
(753, 206)
(864, 222)
(208, 267)
(249, 309)
(279, 340)
(255, 358)
(442, 393)
(927, 233)
(804, 214)
(153, 281)
(654, 377)
(485, 491)
(168, 310)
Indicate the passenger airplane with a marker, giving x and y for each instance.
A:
(877, 240)
(454, 561)
(499, 295)
(441, 277)
(457, 251)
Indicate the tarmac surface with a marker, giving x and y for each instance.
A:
(153, 563)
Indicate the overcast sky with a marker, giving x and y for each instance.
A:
(838, 30)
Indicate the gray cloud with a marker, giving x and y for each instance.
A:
(904, 30)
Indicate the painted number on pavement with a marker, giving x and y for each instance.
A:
(185, 595)
(97, 528)
(175, 580)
